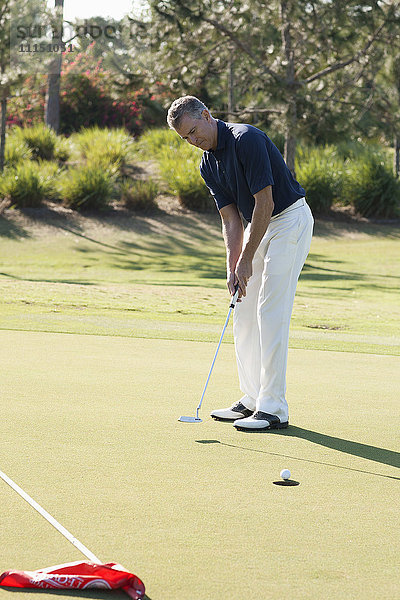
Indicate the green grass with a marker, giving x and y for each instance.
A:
(164, 277)
(89, 429)
(89, 422)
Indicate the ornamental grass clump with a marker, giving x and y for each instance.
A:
(62, 151)
(139, 194)
(87, 187)
(40, 139)
(180, 171)
(179, 167)
(110, 148)
(320, 171)
(158, 141)
(49, 172)
(16, 150)
(182, 176)
(28, 184)
(371, 188)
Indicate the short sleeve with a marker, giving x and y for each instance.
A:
(253, 154)
(216, 190)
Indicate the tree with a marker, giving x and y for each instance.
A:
(15, 63)
(52, 106)
(384, 111)
(4, 50)
(296, 51)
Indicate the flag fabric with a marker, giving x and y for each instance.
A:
(78, 576)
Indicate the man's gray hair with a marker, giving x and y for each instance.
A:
(186, 105)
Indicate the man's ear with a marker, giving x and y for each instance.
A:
(206, 114)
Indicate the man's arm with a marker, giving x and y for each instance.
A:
(232, 230)
(263, 208)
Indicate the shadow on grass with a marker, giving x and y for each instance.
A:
(319, 273)
(160, 242)
(335, 226)
(69, 281)
(11, 230)
(95, 594)
(373, 453)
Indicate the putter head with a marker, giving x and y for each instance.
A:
(190, 420)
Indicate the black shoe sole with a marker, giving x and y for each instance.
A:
(228, 420)
(272, 426)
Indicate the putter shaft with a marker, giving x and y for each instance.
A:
(231, 307)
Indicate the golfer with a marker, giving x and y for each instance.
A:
(248, 178)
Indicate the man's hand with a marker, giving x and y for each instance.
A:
(231, 283)
(240, 277)
(243, 272)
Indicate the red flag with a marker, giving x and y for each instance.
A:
(78, 576)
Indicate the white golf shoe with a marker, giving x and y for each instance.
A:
(233, 413)
(260, 421)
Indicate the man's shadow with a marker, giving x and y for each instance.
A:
(373, 453)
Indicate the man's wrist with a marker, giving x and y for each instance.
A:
(247, 255)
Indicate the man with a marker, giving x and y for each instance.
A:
(248, 177)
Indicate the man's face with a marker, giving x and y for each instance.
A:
(201, 133)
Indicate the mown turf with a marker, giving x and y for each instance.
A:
(164, 277)
(89, 428)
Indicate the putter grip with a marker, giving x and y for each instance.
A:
(234, 298)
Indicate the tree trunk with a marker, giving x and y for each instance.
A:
(231, 85)
(290, 135)
(52, 108)
(3, 132)
(291, 114)
(396, 163)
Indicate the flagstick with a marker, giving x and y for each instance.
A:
(51, 520)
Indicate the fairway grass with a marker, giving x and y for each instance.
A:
(89, 429)
(163, 276)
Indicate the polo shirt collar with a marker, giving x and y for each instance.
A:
(222, 135)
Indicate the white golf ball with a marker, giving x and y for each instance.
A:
(285, 474)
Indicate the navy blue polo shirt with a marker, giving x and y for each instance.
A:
(245, 162)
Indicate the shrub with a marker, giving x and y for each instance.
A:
(90, 95)
(371, 187)
(86, 188)
(109, 148)
(16, 150)
(139, 195)
(49, 172)
(26, 185)
(179, 167)
(156, 141)
(320, 172)
(40, 139)
(354, 149)
(27, 106)
(180, 171)
(62, 151)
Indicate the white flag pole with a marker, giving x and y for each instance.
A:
(51, 519)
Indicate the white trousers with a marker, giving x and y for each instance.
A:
(261, 320)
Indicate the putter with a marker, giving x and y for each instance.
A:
(197, 419)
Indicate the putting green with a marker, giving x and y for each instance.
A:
(89, 429)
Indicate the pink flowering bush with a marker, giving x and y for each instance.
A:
(88, 96)
(26, 107)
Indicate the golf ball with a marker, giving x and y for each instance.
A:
(285, 474)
